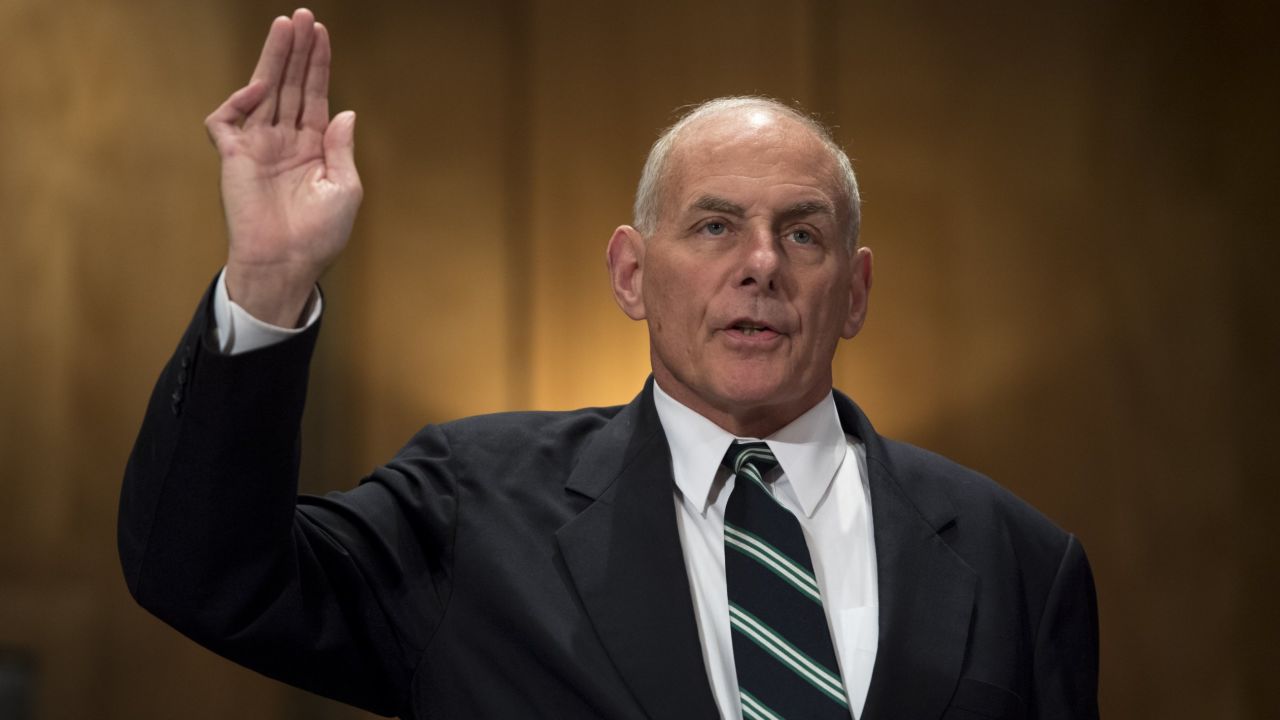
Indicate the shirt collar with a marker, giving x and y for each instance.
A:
(809, 449)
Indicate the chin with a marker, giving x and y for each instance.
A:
(756, 388)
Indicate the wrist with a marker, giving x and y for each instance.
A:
(272, 294)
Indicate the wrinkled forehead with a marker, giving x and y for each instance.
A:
(749, 142)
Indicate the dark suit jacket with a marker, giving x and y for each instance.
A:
(527, 565)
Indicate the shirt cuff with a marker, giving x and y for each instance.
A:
(236, 331)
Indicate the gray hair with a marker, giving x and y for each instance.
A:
(655, 175)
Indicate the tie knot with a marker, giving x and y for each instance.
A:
(752, 458)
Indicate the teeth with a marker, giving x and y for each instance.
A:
(749, 330)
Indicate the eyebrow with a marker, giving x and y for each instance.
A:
(804, 208)
(711, 203)
(807, 208)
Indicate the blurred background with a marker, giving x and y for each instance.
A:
(1071, 205)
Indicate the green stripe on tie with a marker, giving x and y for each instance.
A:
(753, 709)
(784, 652)
(774, 560)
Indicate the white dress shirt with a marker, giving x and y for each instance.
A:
(823, 482)
(236, 331)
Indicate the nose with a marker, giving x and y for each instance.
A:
(762, 259)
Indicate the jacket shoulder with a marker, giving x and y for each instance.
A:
(509, 429)
(521, 445)
(981, 505)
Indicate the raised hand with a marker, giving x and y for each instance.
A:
(290, 188)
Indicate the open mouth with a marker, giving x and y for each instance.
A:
(751, 329)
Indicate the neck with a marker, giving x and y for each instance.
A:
(742, 420)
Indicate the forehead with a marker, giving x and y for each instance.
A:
(750, 151)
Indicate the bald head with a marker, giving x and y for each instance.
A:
(697, 132)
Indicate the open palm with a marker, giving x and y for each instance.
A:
(290, 188)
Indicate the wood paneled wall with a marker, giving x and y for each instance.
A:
(1071, 205)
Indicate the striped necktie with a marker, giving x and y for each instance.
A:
(782, 649)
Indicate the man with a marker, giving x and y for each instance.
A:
(627, 562)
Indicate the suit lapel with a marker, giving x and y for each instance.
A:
(926, 591)
(623, 554)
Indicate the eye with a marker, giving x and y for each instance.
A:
(715, 227)
(801, 237)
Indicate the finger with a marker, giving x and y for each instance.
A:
(275, 53)
(339, 150)
(234, 110)
(315, 96)
(295, 72)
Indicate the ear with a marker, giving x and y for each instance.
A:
(625, 256)
(859, 292)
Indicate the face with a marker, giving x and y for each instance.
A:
(747, 283)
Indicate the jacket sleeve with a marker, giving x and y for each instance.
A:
(336, 594)
(1066, 655)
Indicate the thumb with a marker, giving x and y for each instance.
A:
(339, 149)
